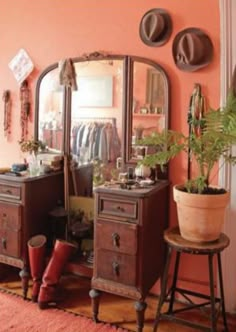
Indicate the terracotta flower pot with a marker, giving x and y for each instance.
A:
(200, 217)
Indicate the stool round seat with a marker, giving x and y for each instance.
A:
(174, 239)
(192, 298)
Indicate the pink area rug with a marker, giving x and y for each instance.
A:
(18, 315)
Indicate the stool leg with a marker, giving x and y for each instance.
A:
(222, 292)
(163, 289)
(212, 294)
(173, 287)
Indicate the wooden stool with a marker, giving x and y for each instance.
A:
(180, 245)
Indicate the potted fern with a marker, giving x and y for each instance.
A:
(197, 198)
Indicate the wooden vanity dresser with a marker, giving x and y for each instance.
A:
(129, 250)
(24, 206)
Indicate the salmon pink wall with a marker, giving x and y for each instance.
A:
(56, 29)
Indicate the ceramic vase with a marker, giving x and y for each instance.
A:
(142, 171)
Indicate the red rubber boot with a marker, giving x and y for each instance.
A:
(61, 252)
(36, 250)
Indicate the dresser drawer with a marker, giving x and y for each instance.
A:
(118, 208)
(116, 267)
(117, 236)
(10, 191)
(10, 229)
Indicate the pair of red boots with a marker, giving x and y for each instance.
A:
(45, 280)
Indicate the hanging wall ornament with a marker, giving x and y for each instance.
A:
(21, 65)
(197, 108)
(25, 108)
(7, 112)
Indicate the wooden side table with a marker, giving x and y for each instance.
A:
(217, 304)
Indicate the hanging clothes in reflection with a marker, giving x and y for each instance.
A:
(95, 140)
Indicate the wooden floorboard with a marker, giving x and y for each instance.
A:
(73, 296)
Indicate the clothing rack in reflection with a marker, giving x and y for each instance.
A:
(93, 139)
(94, 119)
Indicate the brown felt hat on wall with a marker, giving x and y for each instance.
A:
(155, 27)
(192, 49)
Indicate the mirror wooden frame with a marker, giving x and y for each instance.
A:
(149, 98)
(127, 104)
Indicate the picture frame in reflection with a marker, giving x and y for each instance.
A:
(155, 88)
(94, 91)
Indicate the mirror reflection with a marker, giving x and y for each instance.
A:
(119, 100)
(149, 106)
(50, 111)
(96, 112)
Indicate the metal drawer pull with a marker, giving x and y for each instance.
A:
(119, 208)
(116, 239)
(4, 243)
(116, 268)
(9, 192)
(4, 220)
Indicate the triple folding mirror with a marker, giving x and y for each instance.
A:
(119, 99)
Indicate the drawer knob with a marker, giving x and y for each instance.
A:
(119, 208)
(4, 220)
(116, 239)
(116, 268)
(9, 192)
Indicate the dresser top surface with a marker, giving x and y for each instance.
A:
(133, 191)
(25, 178)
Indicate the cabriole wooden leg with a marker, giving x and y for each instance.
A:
(95, 297)
(140, 308)
(24, 274)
